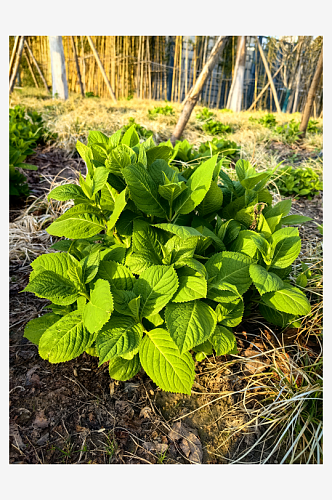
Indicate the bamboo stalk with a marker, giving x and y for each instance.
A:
(186, 68)
(174, 66)
(77, 66)
(108, 85)
(149, 64)
(180, 68)
(30, 67)
(37, 65)
(16, 64)
(269, 75)
(13, 55)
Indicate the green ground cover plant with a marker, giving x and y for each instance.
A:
(160, 110)
(205, 114)
(298, 182)
(158, 263)
(142, 131)
(268, 120)
(26, 130)
(214, 127)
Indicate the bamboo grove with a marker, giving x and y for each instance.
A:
(166, 67)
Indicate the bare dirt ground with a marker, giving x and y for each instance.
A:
(74, 413)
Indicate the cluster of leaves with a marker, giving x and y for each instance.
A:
(290, 131)
(91, 94)
(159, 262)
(204, 115)
(183, 151)
(160, 110)
(25, 132)
(268, 120)
(143, 132)
(212, 127)
(298, 182)
(226, 110)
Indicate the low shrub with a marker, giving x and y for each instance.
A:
(205, 114)
(161, 262)
(160, 110)
(214, 127)
(25, 132)
(298, 182)
(268, 120)
(143, 132)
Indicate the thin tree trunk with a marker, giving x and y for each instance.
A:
(311, 96)
(59, 78)
(77, 66)
(186, 68)
(37, 65)
(30, 68)
(13, 56)
(16, 64)
(191, 102)
(101, 67)
(235, 94)
(269, 75)
(297, 83)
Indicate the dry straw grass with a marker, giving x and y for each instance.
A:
(27, 235)
(74, 118)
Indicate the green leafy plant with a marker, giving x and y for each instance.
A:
(160, 110)
(298, 182)
(268, 120)
(205, 114)
(289, 132)
(142, 131)
(91, 94)
(225, 110)
(183, 151)
(161, 262)
(214, 127)
(313, 127)
(25, 132)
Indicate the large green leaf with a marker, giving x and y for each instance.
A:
(98, 311)
(156, 286)
(198, 185)
(38, 326)
(286, 251)
(281, 208)
(67, 192)
(244, 243)
(275, 317)
(223, 340)
(230, 314)
(162, 361)
(263, 280)
(190, 288)
(289, 300)
(119, 205)
(52, 286)
(190, 323)
(81, 221)
(143, 190)
(66, 339)
(158, 153)
(183, 232)
(130, 137)
(117, 274)
(59, 263)
(212, 201)
(295, 219)
(223, 292)
(119, 336)
(231, 267)
(124, 369)
(146, 247)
